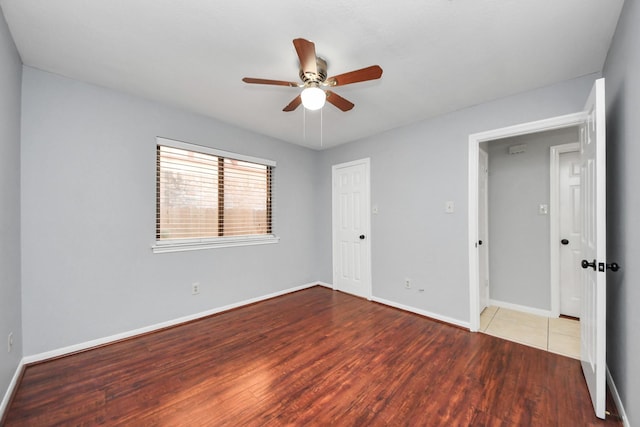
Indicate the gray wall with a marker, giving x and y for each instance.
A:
(622, 71)
(10, 305)
(414, 170)
(519, 245)
(88, 216)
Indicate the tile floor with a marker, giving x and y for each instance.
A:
(561, 335)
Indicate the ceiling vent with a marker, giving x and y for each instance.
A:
(518, 149)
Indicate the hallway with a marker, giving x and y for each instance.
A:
(556, 335)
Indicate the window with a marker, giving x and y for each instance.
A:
(207, 198)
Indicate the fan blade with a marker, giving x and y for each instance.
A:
(339, 101)
(269, 82)
(307, 54)
(293, 104)
(362, 75)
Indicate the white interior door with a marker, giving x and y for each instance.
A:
(483, 228)
(593, 247)
(569, 233)
(351, 229)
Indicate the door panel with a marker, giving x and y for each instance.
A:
(570, 219)
(351, 236)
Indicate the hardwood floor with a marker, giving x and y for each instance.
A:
(314, 357)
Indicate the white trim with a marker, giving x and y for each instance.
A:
(326, 285)
(213, 151)
(616, 398)
(151, 328)
(163, 246)
(474, 145)
(424, 313)
(522, 308)
(559, 122)
(474, 262)
(12, 387)
(554, 220)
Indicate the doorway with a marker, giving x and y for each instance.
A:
(521, 210)
(520, 213)
(561, 122)
(528, 176)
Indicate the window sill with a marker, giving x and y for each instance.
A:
(221, 242)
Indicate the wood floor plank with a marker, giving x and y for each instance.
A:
(314, 357)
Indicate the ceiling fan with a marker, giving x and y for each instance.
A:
(313, 73)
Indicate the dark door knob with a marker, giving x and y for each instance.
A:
(362, 237)
(564, 241)
(587, 264)
(480, 242)
(613, 266)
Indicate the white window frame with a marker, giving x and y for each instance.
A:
(179, 245)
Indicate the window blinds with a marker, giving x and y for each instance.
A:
(203, 193)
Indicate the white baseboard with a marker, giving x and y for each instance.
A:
(151, 328)
(617, 400)
(12, 386)
(410, 309)
(523, 308)
(425, 313)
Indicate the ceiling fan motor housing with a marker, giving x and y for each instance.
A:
(317, 78)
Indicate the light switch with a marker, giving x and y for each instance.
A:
(449, 206)
(543, 209)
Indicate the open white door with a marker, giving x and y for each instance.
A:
(351, 228)
(593, 247)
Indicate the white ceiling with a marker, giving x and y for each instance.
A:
(437, 55)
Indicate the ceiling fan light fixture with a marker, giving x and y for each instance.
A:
(313, 98)
(313, 73)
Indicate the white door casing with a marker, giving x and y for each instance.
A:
(593, 247)
(483, 228)
(351, 228)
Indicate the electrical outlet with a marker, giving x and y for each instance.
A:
(407, 283)
(195, 288)
(10, 342)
